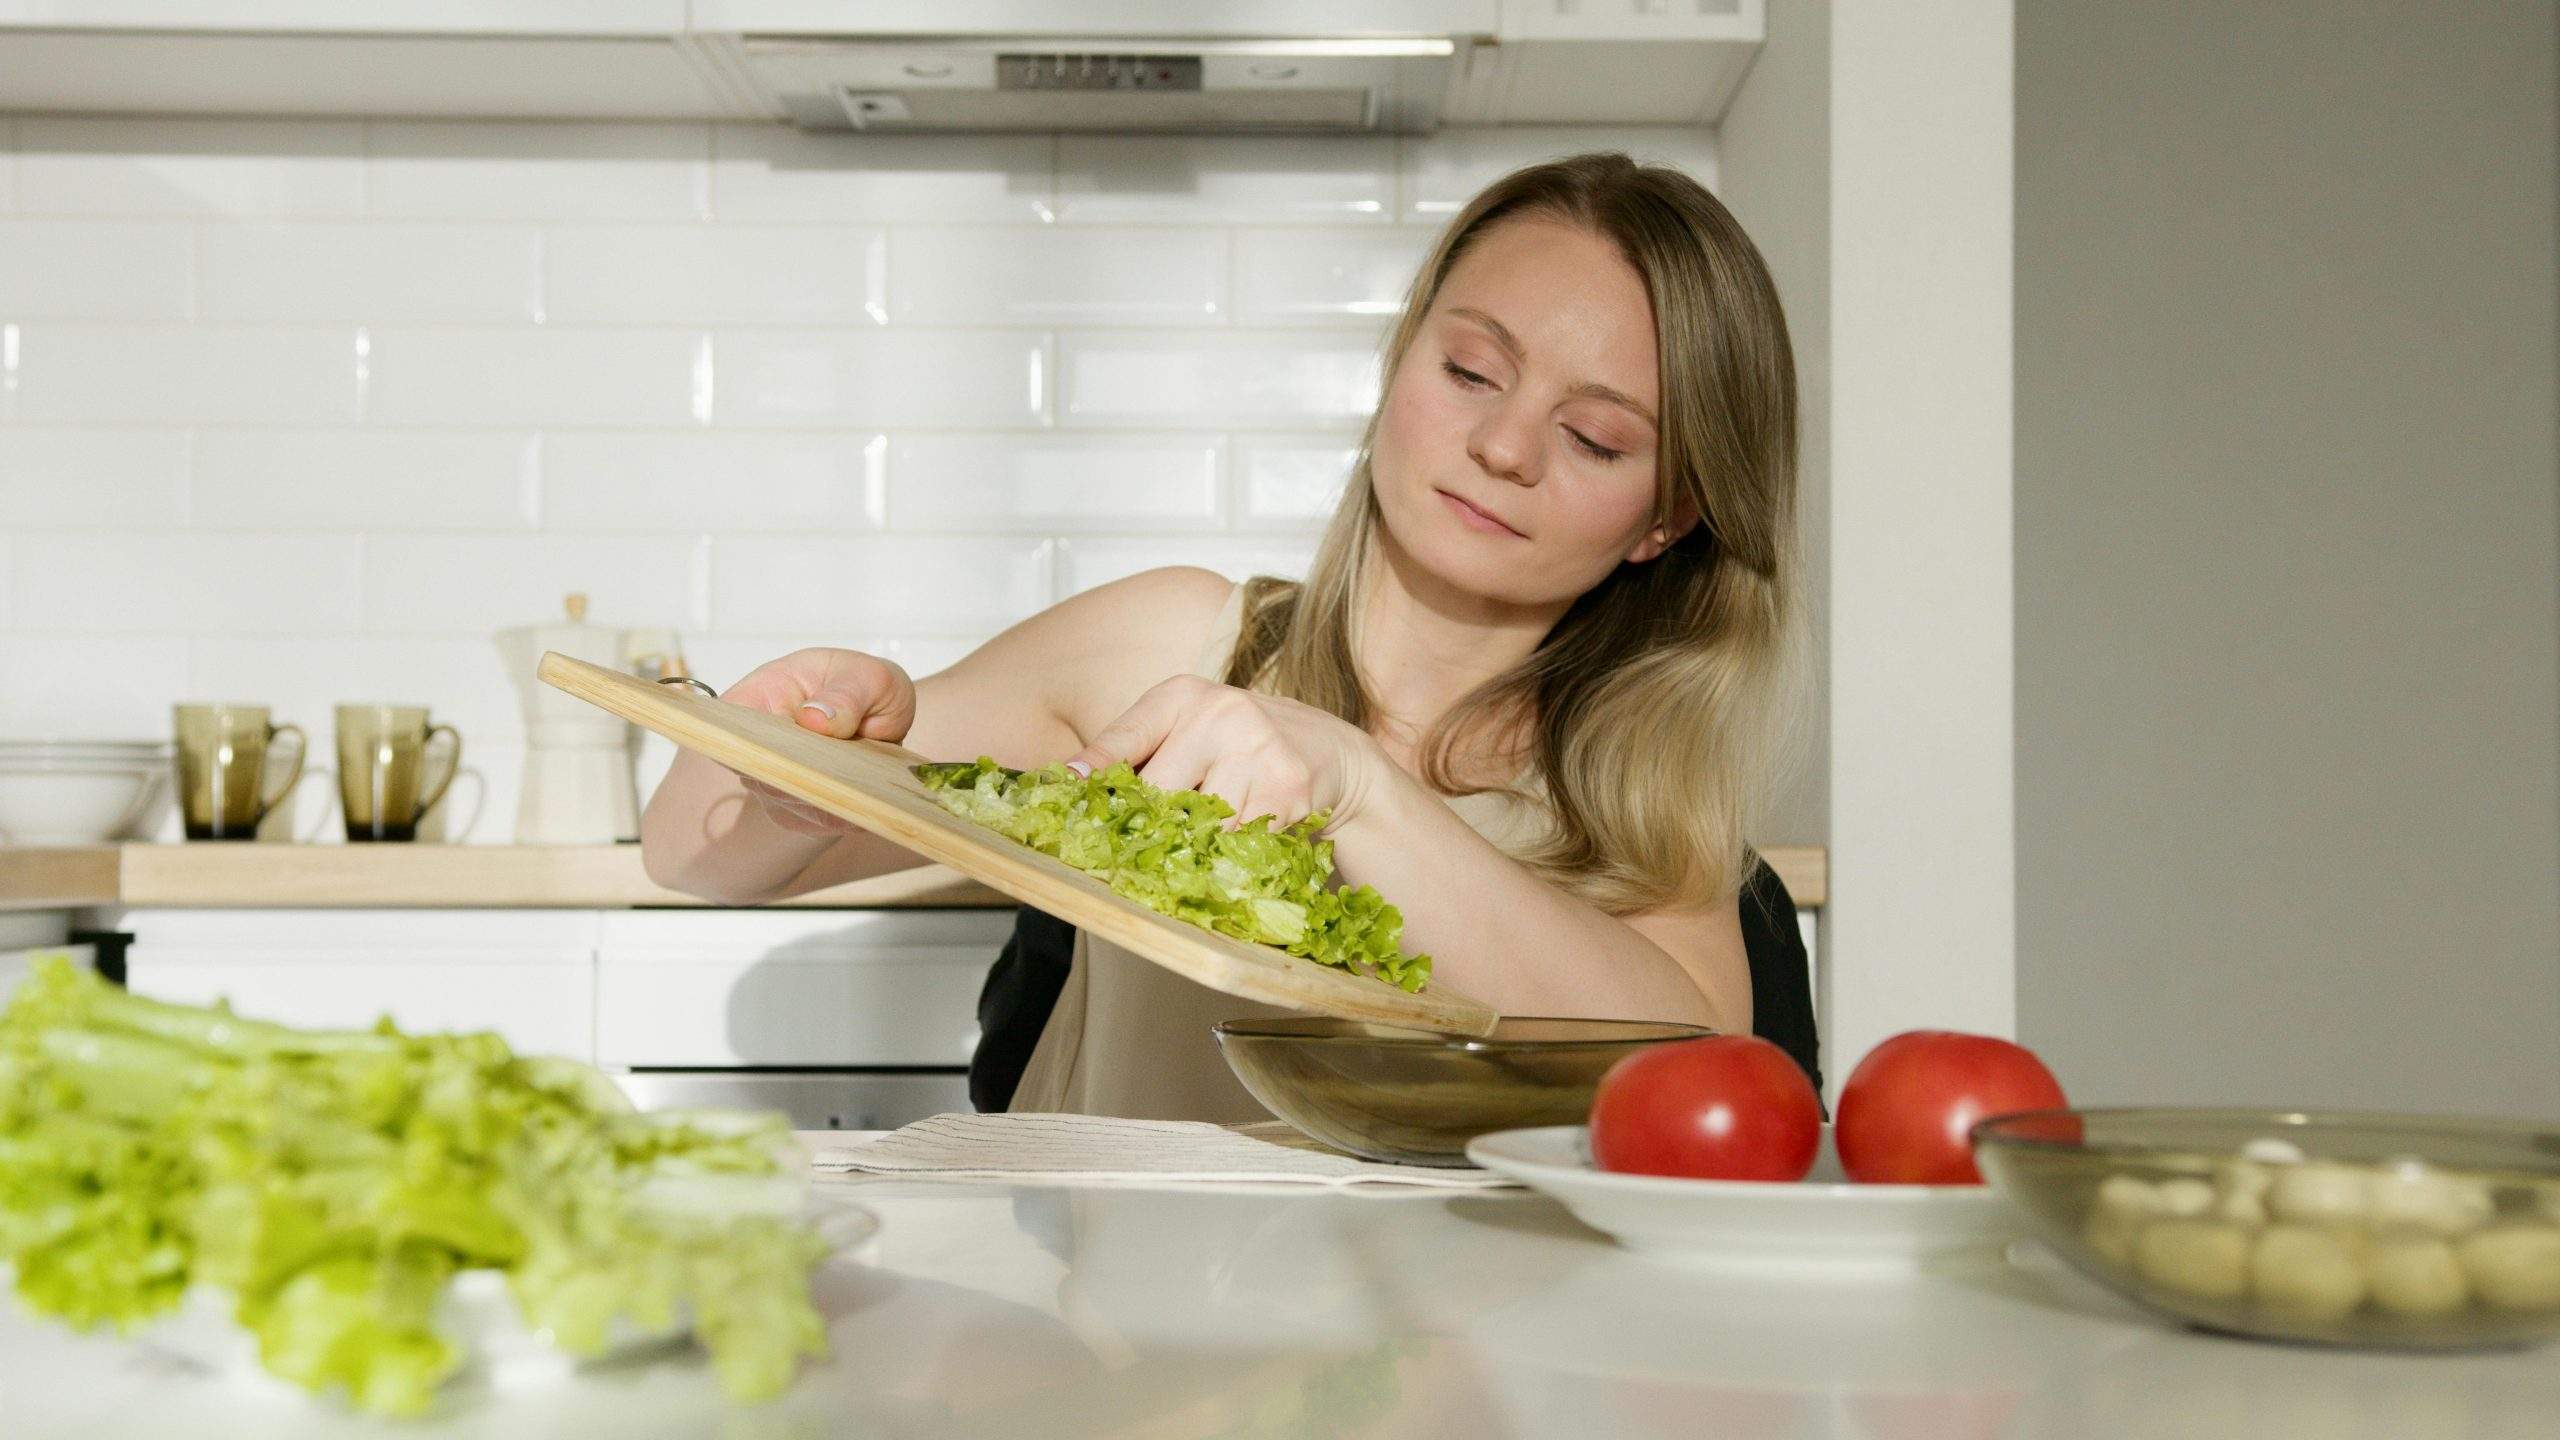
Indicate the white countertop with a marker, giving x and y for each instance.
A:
(1002, 1310)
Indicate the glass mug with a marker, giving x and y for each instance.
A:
(222, 766)
(382, 758)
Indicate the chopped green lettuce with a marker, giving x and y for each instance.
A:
(1169, 851)
(330, 1183)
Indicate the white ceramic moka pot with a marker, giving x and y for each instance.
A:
(579, 779)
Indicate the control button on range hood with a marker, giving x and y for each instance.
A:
(1150, 85)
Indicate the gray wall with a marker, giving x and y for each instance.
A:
(2288, 572)
(1773, 164)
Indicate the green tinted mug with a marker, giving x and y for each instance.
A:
(222, 766)
(382, 767)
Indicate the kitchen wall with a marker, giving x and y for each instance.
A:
(299, 412)
(2288, 563)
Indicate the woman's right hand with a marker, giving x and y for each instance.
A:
(842, 693)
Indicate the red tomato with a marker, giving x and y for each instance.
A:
(1725, 1107)
(1904, 1113)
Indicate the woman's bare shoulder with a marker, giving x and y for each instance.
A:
(1068, 670)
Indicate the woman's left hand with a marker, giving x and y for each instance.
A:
(1259, 753)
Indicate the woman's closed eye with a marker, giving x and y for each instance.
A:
(1469, 380)
(1593, 448)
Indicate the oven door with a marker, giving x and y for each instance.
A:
(814, 1099)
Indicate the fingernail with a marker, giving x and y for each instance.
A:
(1080, 768)
(826, 711)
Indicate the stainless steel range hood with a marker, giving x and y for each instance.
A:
(1124, 84)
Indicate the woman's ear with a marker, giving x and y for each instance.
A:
(1684, 518)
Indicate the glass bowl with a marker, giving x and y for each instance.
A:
(1418, 1096)
(2400, 1231)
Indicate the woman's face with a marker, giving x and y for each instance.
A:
(1514, 457)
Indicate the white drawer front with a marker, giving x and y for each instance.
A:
(529, 975)
(885, 987)
(538, 1000)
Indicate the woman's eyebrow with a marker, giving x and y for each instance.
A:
(1502, 336)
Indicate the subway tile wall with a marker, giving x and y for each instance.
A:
(298, 412)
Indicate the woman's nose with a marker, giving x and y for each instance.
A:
(1505, 443)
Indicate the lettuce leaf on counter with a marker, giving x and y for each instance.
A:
(329, 1184)
(1168, 850)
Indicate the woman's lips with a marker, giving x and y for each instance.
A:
(1478, 519)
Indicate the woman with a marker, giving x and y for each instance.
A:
(1541, 673)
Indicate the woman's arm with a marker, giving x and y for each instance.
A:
(1024, 697)
(1492, 927)
(1497, 931)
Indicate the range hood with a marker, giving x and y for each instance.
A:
(1067, 83)
(1241, 66)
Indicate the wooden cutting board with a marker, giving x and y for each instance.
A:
(869, 783)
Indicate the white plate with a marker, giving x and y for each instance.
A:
(1822, 1220)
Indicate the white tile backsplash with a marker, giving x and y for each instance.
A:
(1176, 380)
(925, 586)
(302, 678)
(477, 584)
(189, 167)
(821, 481)
(1083, 564)
(372, 272)
(465, 169)
(79, 373)
(1054, 483)
(1291, 481)
(1246, 179)
(777, 173)
(1445, 169)
(724, 659)
(940, 379)
(505, 376)
(1293, 277)
(1036, 275)
(92, 479)
(195, 583)
(760, 274)
(307, 408)
(94, 270)
(126, 684)
(376, 479)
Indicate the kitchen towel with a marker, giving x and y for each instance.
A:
(1099, 1149)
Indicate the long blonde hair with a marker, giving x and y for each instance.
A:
(1664, 702)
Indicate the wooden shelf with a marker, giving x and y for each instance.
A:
(569, 877)
(564, 877)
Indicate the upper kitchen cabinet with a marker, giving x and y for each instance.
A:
(494, 58)
(891, 65)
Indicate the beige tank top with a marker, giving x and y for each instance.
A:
(1131, 1038)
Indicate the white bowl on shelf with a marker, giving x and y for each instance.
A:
(66, 801)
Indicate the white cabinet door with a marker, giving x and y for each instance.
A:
(527, 974)
(412, 17)
(497, 59)
(793, 987)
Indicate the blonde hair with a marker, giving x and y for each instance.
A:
(1664, 702)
